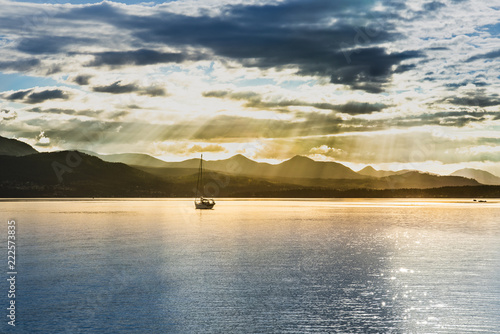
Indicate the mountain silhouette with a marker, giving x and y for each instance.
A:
(479, 175)
(134, 159)
(72, 173)
(302, 167)
(421, 180)
(296, 167)
(77, 174)
(15, 147)
(370, 171)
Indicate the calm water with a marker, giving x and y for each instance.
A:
(270, 266)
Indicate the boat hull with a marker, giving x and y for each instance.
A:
(204, 206)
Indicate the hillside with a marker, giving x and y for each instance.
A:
(296, 167)
(479, 175)
(370, 171)
(71, 173)
(406, 180)
(15, 147)
(133, 159)
(423, 181)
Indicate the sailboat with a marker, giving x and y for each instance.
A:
(202, 202)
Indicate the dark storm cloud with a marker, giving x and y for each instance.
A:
(140, 57)
(21, 65)
(51, 44)
(291, 34)
(255, 100)
(32, 97)
(118, 88)
(371, 68)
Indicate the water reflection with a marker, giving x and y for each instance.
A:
(258, 266)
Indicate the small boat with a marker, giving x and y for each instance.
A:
(202, 202)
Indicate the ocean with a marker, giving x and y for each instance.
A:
(253, 266)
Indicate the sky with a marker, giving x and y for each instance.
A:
(392, 84)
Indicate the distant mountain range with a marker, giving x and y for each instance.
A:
(137, 159)
(297, 167)
(479, 175)
(26, 173)
(370, 171)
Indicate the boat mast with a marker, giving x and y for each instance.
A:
(200, 176)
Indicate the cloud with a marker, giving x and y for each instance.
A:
(328, 151)
(477, 98)
(212, 148)
(82, 79)
(118, 88)
(19, 95)
(19, 65)
(7, 115)
(309, 136)
(140, 58)
(289, 34)
(454, 118)
(476, 82)
(41, 96)
(321, 56)
(51, 44)
(86, 112)
(488, 55)
(370, 69)
(32, 96)
(357, 108)
(42, 140)
(111, 115)
(433, 6)
(408, 147)
(256, 100)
